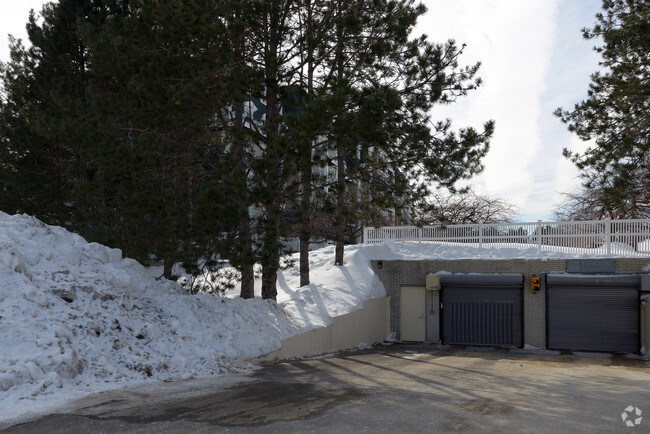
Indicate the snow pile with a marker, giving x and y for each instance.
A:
(76, 318)
(334, 290)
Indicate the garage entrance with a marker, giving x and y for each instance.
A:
(482, 309)
(593, 312)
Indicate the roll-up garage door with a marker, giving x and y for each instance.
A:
(593, 312)
(482, 309)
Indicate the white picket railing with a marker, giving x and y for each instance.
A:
(601, 237)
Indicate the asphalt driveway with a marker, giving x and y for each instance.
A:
(386, 389)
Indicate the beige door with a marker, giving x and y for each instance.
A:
(412, 311)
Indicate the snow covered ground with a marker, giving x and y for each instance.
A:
(76, 318)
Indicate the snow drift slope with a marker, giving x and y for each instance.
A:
(75, 316)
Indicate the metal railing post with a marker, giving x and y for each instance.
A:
(480, 234)
(539, 234)
(608, 236)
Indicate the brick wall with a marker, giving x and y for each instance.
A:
(397, 273)
(632, 265)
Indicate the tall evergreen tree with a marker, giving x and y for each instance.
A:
(383, 84)
(43, 111)
(615, 113)
(161, 77)
(312, 27)
(123, 94)
(274, 55)
(243, 83)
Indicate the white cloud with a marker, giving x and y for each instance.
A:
(533, 60)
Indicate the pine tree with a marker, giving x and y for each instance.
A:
(43, 111)
(382, 85)
(161, 78)
(225, 200)
(245, 82)
(312, 29)
(273, 54)
(113, 110)
(615, 113)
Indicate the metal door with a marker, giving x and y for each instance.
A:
(593, 312)
(482, 309)
(412, 311)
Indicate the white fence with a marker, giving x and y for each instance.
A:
(600, 237)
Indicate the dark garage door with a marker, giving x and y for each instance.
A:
(482, 309)
(593, 312)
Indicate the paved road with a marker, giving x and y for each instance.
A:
(393, 389)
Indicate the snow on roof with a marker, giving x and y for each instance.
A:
(414, 251)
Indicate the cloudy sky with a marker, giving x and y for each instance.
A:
(534, 60)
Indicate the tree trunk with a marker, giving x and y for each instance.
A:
(273, 177)
(340, 206)
(269, 283)
(247, 282)
(167, 268)
(247, 261)
(305, 224)
(340, 149)
(306, 170)
(271, 253)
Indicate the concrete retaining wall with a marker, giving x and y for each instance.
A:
(366, 326)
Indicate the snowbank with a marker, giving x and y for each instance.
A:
(77, 318)
(334, 290)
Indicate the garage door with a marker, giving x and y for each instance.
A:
(482, 309)
(593, 312)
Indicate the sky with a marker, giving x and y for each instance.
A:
(534, 60)
(13, 18)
